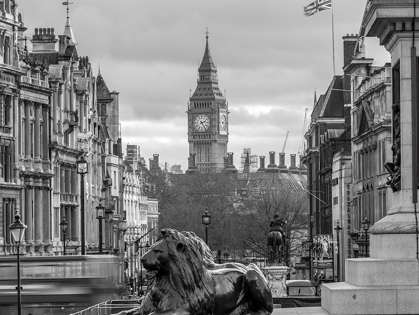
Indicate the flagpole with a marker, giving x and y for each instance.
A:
(333, 40)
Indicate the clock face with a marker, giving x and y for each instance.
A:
(201, 122)
(223, 123)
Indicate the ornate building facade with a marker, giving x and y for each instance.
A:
(371, 145)
(53, 111)
(11, 154)
(208, 118)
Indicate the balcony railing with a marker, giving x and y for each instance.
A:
(34, 81)
(69, 198)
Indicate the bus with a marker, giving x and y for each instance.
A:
(56, 284)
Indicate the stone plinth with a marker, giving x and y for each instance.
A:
(343, 298)
(276, 274)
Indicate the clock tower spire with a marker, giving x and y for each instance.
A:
(208, 118)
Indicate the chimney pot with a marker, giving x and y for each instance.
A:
(262, 162)
(272, 157)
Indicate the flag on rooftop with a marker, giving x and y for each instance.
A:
(316, 6)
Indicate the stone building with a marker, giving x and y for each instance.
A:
(49, 119)
(12, 153)
(141, 211)
(371, 145)
(327, 123)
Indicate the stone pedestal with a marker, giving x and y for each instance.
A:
(276, 274)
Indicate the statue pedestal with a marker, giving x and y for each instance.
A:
(276, 274)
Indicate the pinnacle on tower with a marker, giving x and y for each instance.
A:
(67, 29)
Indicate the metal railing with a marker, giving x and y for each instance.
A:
(109, 307)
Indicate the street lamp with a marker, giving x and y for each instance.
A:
(366, 227)
(100, 211)
(338, 229)
(18, 230)
(82, 169)
(64, 225)
(206, 220)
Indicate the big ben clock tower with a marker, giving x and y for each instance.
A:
(208, 118)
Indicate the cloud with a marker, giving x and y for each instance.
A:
(270, 59)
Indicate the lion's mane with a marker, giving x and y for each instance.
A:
(187, 275)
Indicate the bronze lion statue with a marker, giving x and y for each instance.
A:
(187, 281)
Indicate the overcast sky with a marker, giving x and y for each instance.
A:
(270, 60)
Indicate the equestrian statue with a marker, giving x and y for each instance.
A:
(276, 239)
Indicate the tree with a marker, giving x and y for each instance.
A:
(258, 208)
(241, 210)
(185, 198)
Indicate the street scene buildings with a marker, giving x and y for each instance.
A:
(349, 193)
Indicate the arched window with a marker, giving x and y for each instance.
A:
(103, 109)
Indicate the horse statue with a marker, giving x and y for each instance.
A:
(276, 239)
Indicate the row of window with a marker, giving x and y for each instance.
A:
(365, 205)
(368, 163)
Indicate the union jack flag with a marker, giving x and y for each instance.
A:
(316, 6)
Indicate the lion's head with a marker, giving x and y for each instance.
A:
(178, 259)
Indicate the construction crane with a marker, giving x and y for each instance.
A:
(285, 142)
(304, 129)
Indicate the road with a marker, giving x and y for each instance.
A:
(315, 310)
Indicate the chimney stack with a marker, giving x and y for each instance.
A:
(262, 163)
(230, 169)
(282, 167)
(272, 168)
(293, 168)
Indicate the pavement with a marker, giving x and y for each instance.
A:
(315, 310)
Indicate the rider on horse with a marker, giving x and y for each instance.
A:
(276, 238)
(277, 224)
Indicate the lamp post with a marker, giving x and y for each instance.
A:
(206, 220)
(366, 227)
(338, 229)
(100, 211)
(64, 225)
(82, 169)
(18, 230)
(141, 270)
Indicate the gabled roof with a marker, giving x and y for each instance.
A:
(102, 90)
(333, 104)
